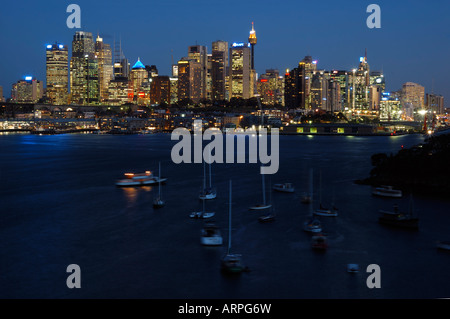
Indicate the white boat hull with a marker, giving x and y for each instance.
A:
(387, 192)
(207, 196)
(212, 241)
(153, 181)
(260, 207)
(325, 212)
(202, 215)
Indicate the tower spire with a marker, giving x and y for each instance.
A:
(252, 40)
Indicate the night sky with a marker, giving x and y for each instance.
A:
(413, 44)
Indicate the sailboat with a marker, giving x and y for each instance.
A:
(207, 192)
(271, 216)
(322, 211)
(231, 263)
(319, 242)
(203, 214)
(306, 197)
(400, 219)
(312, 224)
(264, 205)
(158, 202)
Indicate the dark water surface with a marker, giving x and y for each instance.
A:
(59, 206)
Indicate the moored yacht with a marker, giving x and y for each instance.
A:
(387, 191)
(211, 235)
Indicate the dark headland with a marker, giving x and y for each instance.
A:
(422, 169)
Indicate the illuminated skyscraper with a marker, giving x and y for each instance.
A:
(105, 67)
(189, 80)
(434, 103)
(83, 72)
(160, 90)
(298, 84)
(413, 94)
(359, 82)
(219, 65)
(28, 90)
(199, 53)
(341, 78)
(57, 73)
(240, 71)
(270, 87)
(137, 77)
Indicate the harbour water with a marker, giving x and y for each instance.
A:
(59, 206)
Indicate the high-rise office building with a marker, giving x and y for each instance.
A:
(138, 76)
(83, 73)
(270, 87)
(121, 64)
(240, 71)
(28, 90)
(413, 95)
(341, 78)
(435, 103)
(105, 67)
(359, 82)
(2, 98)
(57, 73)
(160, 90)
(199, 53)
(298, 84)
(152, 71)
(219, 66)
(189, 80)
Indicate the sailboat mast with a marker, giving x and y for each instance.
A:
(311, 191)
(159, 180)
(204, 176)
(320, 187)
(210, 184)
(263, 190)
(229, 223)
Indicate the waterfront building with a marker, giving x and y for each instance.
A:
(57, 74)
(118, 90)
(28, 90)
(391, 108)
(414, 95)
(435, 103)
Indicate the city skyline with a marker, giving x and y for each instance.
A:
(161, 47)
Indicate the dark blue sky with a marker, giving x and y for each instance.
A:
(413, 44)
